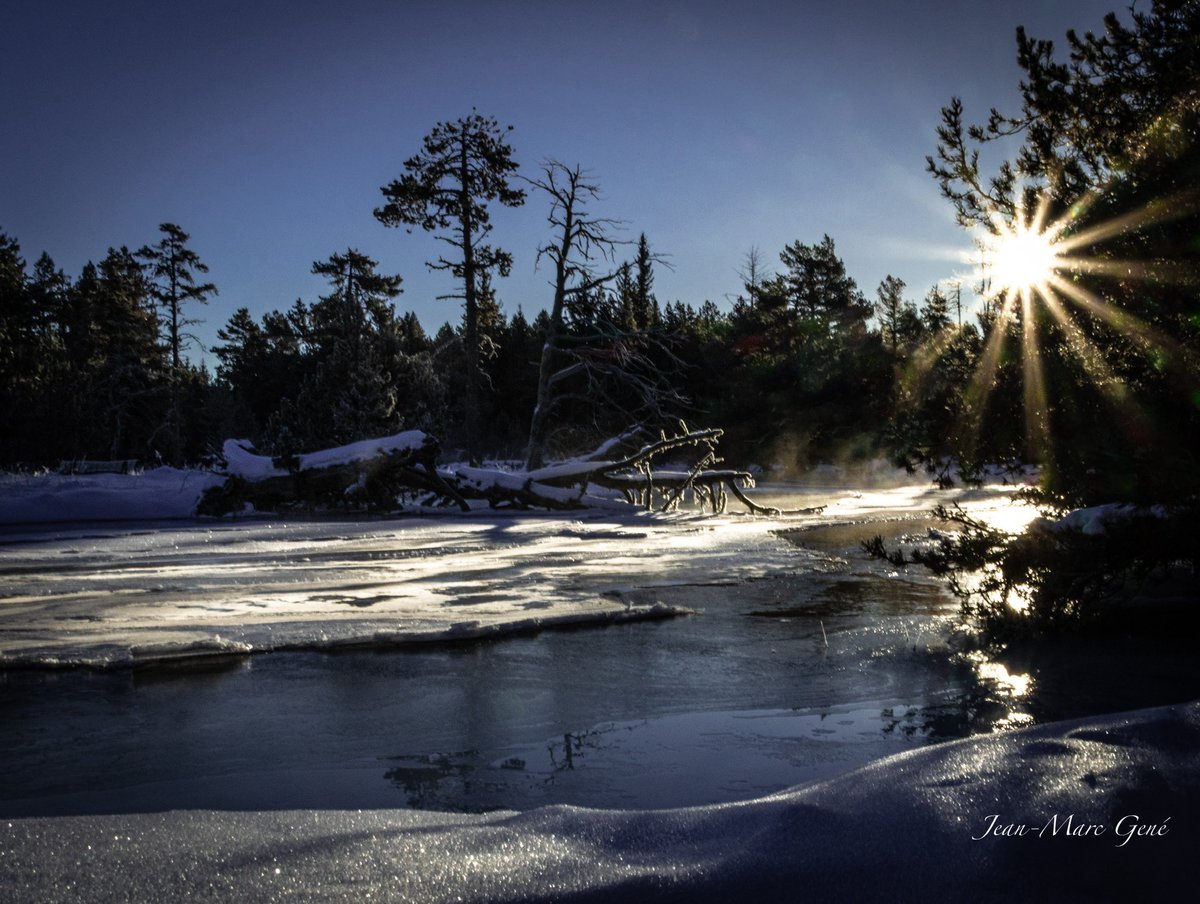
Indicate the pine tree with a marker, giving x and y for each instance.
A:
(625, 291)
(353, 393)
(491, 322)
(413, 340)
(462, 167)
(244, 372)
(889, 310)
(16, 346)
(817, 286)
(644, 303)
(935, 313)
(171, 268)
(16, 315)
(125, 374)
(1109, 154)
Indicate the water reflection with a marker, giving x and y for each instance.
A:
(1014, 685)
(691, 758)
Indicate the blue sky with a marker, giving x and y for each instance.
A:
(266, 129)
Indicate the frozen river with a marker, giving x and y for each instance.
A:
(802, 659)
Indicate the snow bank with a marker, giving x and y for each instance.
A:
(163, 493)
(1095, 809)
(155, 494)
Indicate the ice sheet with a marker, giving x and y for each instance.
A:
(119, 595)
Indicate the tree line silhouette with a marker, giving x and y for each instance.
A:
(795, 369)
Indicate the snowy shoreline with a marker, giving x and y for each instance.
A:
(1102, 808)
(131, 594)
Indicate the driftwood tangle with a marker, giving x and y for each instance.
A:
(637, 478)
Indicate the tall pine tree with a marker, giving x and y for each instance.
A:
(462, 167)
(171, 268)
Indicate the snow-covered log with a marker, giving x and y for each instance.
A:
(367, 474)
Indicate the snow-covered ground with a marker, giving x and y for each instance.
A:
(65, 498)
(1101, 809)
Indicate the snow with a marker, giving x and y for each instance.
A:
(1095, 520)
(409, 441)
(118, 596)
(1092, 809)
(155, 494)
(484, 479)
(241, 462)
(123, 595)
(566, 469)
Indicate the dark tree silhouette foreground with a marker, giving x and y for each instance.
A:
(1109, 158)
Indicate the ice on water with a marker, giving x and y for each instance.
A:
(104, 594)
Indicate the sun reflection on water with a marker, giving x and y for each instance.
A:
(1015, 685)
(1011, 516)
(1012, 688)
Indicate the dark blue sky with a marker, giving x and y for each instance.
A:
(265, 129)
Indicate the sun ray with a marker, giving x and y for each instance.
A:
(984, 377)
(1125, 323)
(1037, 414)
(1155, 213)
(1036, 258)
(1038, 224)
(1131, 420)
(920, 365)
(1159, 271)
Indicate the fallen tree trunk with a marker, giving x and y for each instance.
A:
(374, 475)
(365, 476)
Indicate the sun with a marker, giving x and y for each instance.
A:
(1020, 259)
(1038, 278)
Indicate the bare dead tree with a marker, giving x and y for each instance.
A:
(751, 271)
(588, 357)
(579, 239)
